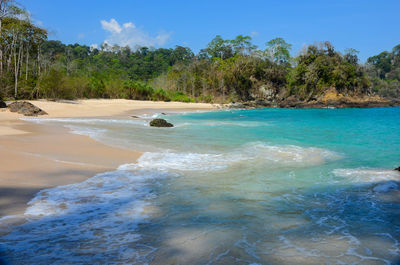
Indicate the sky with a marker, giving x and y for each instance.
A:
(369, 26)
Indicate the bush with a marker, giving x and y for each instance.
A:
(53, 85)
(138, 90)
(160, 95)
(180, 96)
(206, 98)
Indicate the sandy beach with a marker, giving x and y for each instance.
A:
(36, 156)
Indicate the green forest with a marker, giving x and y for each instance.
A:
(32, 67)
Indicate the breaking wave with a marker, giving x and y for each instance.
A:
(382, 180)
(256, 154)
(72, 222)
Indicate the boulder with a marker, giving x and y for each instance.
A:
(2, 104)
(398, 169)
(26, 108)
(236, 105)
(160, 123)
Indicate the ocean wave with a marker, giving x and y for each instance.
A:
(223, 123)
(142, 121)
(88, 121)
(69, 223)
(255, 154)
(382, 180)
(82, 130)
(150, 116)
(367, 174)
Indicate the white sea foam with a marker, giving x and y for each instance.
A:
(87, 121)
(257, 154)
(228, 123)
(149, 116)
(382, 180)
(368, 174)
(82, 130)
(68, 222)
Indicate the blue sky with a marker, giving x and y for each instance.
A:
(366, 25)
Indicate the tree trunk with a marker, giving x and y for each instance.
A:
(20, 59)
(17, 67)
(27, 63)
(1, 54)
(38, 61)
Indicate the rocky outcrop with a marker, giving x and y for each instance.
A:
(160, 123)
(236, 105)
(292, 102)
(26, 108)
(398, 169)
(2, 104)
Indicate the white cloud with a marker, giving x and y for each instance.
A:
(129, 35)
(111, 26)
(129, 25)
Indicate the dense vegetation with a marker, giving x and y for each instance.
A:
(384, 70)
(226, 70)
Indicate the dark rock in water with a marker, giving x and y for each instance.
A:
(26, 108)
(135, 117)
(3, 104)
(160, 123)
(398, 169)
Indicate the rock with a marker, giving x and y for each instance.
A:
(398, 169)
(160, 123)
(2, 104)
(26, 108)
(135, 117)
(236, 105)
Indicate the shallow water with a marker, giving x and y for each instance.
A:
(268, 186)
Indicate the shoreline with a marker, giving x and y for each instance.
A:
(294, 104)
(39, 156)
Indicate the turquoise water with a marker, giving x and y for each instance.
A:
(273, 186)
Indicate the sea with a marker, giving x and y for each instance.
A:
(263, 186)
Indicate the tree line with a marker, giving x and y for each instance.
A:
(31, 67)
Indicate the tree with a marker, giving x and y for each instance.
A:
(4, 12)
(219, 48)
(242, 45)
(351, 55)
(278, 50)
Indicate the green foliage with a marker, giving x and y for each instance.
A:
(179, 96)
(321, 68)
(138, 90)
(278, 50)
(206, 98)
(53, 85)
(222, 49)
(226, 70)
(160, 95)
(384, 69)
